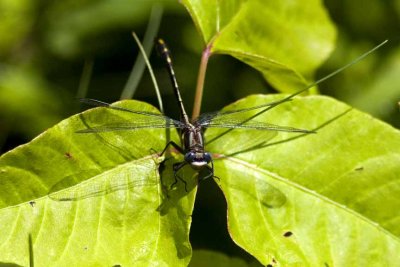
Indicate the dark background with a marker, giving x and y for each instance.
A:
(44, 46)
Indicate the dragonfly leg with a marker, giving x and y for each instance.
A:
(172, 143)
(177, 167)
(210, 172)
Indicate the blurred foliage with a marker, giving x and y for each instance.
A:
(371, 85)
(44, 44)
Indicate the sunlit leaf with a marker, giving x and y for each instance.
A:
(328, 198)
(285, 40)
(324, 199)
(107, 204)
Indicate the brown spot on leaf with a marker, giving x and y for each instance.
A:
(288, 234)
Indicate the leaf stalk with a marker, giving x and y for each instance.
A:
(200, 82)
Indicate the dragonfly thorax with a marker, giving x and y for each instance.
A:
(192, 139)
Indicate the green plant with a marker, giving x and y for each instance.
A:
(314, 200)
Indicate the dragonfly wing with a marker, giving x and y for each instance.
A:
(142, 172)
(147, 123)
(148, 120)
(237, 112)
(232, 123)
(98, 103)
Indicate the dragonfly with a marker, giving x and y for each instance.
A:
(191, 132)
(192, 145)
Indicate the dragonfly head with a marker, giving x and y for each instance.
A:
(198, 160)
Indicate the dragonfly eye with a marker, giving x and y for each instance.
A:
(190, 157)
(207, 157)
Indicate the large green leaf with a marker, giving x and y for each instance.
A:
(118, 212)
(324, 199)
(285, 40)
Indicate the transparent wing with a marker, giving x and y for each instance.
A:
(139, 173)
(97, 103)
(151, 122)
(239, 112)
(149, 119)
(232, 123)
(219, 115)
(208, 116)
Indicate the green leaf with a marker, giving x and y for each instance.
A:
(118, 213)
(285, 40)
(324, 199)
(328, 198)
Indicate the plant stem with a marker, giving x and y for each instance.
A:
(200, 82)
(85, 79)
(141, 61)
